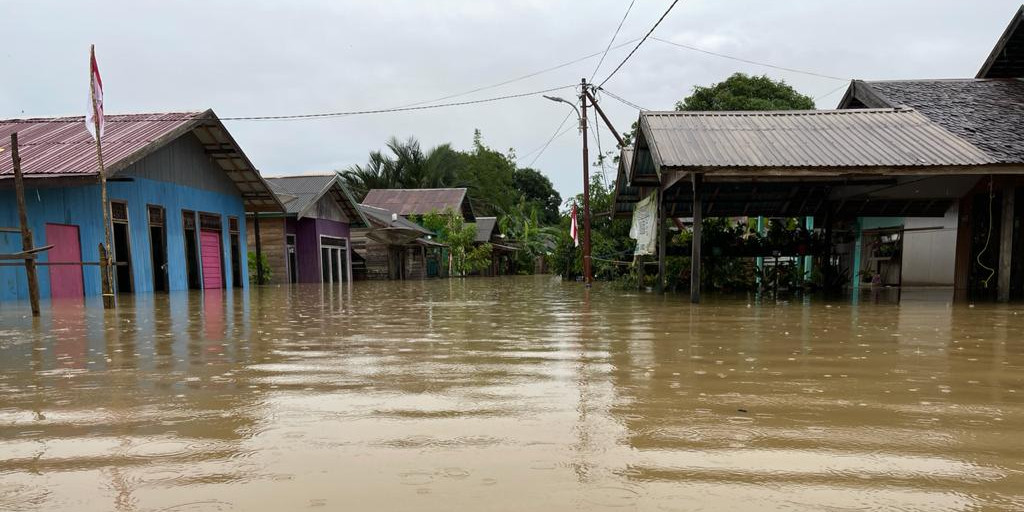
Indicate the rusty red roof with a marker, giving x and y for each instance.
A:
(60, 147)
(420, 201)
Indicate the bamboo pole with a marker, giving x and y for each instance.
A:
(105, 270)
(26, 233)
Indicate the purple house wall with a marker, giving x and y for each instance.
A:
(307, 233)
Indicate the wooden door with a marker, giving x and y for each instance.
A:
(65, 280)
(210, 249)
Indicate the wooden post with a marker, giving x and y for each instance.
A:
(662, 241)
(26, 233)
(964, 234)
(104, 264)
(828, 270)
(641, 272)
(106, 272)
(259, 248)
(1006, 245)
(698, 218)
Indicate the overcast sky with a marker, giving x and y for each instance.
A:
(263, 57)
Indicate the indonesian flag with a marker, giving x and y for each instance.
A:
(95, 97)
(574, 228)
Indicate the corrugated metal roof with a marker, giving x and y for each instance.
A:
(422, 201)
(485, 228)
(300, 193)
(60, 147)
(380, 217)
(802, 139)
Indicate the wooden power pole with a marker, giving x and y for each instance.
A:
(26, 233)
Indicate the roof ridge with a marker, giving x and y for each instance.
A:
(750, 113)
(417, 189)
(106, 116)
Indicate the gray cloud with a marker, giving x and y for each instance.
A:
(273, 57)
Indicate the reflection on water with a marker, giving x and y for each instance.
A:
(510, 394)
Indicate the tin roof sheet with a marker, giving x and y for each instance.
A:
(485, 228)
(802, 139)
(422, 201)
(300, 193)
(60, 147)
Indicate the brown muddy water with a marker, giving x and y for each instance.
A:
(511, 394)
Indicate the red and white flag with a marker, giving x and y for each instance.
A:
(574, 228)
(95, 97)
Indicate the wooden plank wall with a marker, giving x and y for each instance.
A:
(272, 235)
(375, 254)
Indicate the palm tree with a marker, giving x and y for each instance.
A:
(406, 167)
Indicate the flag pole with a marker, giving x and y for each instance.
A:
(105, 273)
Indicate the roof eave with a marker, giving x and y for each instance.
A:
(1000, 45)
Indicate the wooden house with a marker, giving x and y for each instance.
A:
(393, 247)
(502, 252)
(178, 187)
(985, 111)
(311, 241)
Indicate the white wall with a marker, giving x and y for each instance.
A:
(929, 256)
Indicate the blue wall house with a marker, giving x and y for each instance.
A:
(178, 188)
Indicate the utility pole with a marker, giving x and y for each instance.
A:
(26, 233)
(588, 276)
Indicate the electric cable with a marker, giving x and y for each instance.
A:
(616, 34)
(749, 61)
(553, 137)
(638, 45)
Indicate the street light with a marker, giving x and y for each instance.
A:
(556, 99)
(587, 275)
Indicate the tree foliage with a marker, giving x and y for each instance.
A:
(744, 92)
(536, 191)
(523, 199)
(407, 166)
(463, 255)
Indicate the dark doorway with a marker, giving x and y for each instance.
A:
(188, 221)
(236, 253)
(158, 247)
(293, 267)
(122, 247)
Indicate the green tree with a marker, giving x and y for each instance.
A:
(463, 255)
(488, 174)
(407, 166)
(744, 92)
(739, 92)
(536, 189)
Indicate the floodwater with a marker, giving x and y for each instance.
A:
(510, 394)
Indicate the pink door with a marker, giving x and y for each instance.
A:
(210, 251)
(65, 280)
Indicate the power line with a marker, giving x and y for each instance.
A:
(560, 134)
(833, 91)
(622, 100)
(398, 109)
(323, 115)
(649, 32)
(529, 75)
(616, 34)
(553, 137)
(748, 61)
